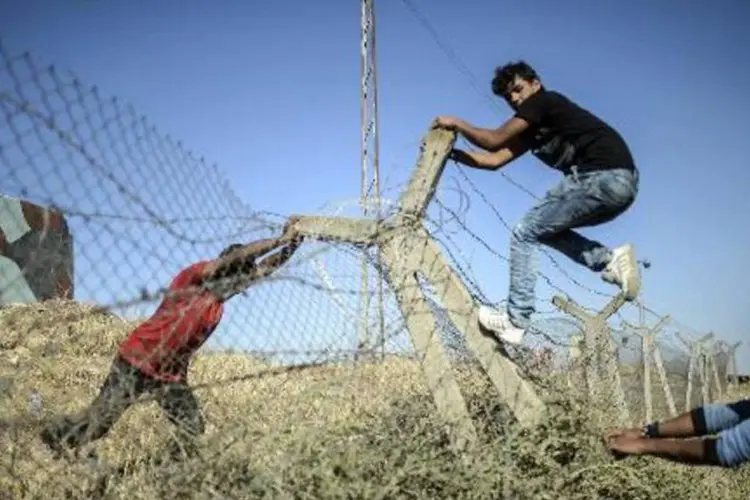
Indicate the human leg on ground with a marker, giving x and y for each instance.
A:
(721, 416)
(725, 429)
(732, 445)
(701, 421)
(578, 201)
(181, 407)
(120, 390)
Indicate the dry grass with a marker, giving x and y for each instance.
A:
(332, 432)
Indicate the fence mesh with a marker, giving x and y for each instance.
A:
(100, 210)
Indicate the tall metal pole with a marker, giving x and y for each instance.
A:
(370, 191)
(376, 180)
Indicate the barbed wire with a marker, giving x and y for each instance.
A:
(304, 311)
(454, 216)
(472, 80)
(666, 340)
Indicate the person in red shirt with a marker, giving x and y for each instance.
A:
(155, 356)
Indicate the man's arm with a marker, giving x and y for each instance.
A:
(270, 264)
(493, 139)
(251, 251)
(490, 161)
(701, 451)
(730, 448)
(700, 421)
(688, 451)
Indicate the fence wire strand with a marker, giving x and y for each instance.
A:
(99, 211)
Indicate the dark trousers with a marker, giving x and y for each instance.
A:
(124, 385)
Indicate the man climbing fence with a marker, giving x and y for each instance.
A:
(600, 183)
(154, 358)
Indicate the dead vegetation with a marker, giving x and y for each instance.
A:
(328, 432)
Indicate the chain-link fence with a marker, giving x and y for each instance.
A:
(100, 211)
(133, 207)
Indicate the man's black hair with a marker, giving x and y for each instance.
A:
(504, 76)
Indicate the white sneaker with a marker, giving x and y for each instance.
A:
(499, 324)
(623, 271)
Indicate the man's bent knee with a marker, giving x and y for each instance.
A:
(717, 417)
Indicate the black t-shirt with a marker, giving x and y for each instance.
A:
(562, 134)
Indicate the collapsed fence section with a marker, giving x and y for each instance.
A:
(284, 367)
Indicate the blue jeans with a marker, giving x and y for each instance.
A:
(732, 423)
(580, 200)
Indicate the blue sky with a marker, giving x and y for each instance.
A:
(270, 93)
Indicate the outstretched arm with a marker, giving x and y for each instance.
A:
(701, 421)
(488, 139)
(493, 139)
(731, 447)
(687, 451)
(490, 161)
(270, 264)
(251, 251)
